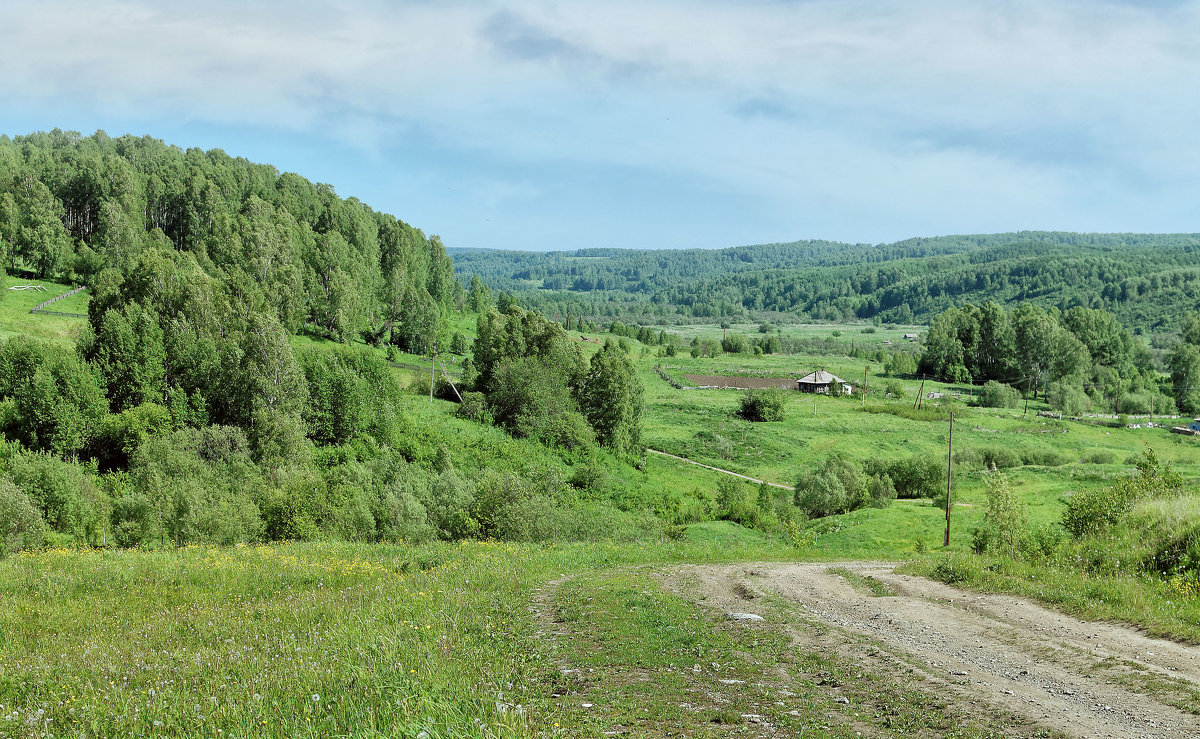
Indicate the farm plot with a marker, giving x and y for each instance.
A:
(740, 383)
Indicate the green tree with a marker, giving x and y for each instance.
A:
(1184, 364)
(479, 297)
(1005, 518)
(610, 397)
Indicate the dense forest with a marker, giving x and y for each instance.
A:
(186, 410)
(1144, 280)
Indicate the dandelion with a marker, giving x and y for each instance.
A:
(316, 698)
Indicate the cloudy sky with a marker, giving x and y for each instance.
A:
(655, 123)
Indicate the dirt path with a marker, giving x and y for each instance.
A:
(999, 651)
(718, 469)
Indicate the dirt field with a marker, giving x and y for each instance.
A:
(741, 383)
(989, 654)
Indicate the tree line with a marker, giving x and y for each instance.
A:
(1143, 279)
(1081, 358)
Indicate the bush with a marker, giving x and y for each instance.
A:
(882, 491)
(474, 408)
(1092, 511)
(734, 343)
(766, 404)
(449, 501)
(918, 476)
(1000, 458)
(998, 395)
(588, 477)
(737, 502)
(1099, 457)
(67, 497)
(839, 486)
(21, 524)
(1005, 521)
(132, 520)
(1068, 398)
(1043, 457)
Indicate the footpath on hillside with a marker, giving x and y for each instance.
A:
(993, 653)
(754, 480)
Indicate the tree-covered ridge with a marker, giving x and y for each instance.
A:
(88, 209)
(1143, 279)
(186, 410)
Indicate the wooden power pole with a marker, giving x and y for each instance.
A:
(949, 473)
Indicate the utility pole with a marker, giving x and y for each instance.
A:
(920, 392)
(949, 473)
(864, 389)
(432, 368)
(1028, 383)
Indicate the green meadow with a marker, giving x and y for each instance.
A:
(454, 639)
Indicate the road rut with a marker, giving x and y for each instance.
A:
(1080, 678)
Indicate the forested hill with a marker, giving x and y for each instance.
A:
(99, 211)
(1142, 278)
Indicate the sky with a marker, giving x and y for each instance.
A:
(653, 123)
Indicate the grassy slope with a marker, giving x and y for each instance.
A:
(16, 320)
(396, 640)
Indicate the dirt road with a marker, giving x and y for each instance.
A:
(995, 651)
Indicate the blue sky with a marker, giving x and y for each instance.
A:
(558, 125)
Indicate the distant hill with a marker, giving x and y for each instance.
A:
(1143, 278)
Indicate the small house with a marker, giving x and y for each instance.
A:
(824, 383)
(1195, 424)
(911, 337)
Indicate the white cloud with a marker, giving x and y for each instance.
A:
(908, 110)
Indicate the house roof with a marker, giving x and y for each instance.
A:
(821, 377)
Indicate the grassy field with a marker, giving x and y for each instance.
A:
(292, 640)
(16, 320)
(494, 639)
(433, 641)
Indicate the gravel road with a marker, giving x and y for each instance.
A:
(1011, 655)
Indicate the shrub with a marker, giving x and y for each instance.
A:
(449, 501)
(918, 476)
(21, 524)
(737, 502)
(132, 520)
(588, 476)
(1099, 457)
(999, 457)
(734, 343)
(1043, 457)
(839, 486)
(881, 490)
(1005, 521)
(67, 496)
(202, 484)
(1094, 510)
(1068, 398)
(474, 407)
(766, 404)
(998, 395)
